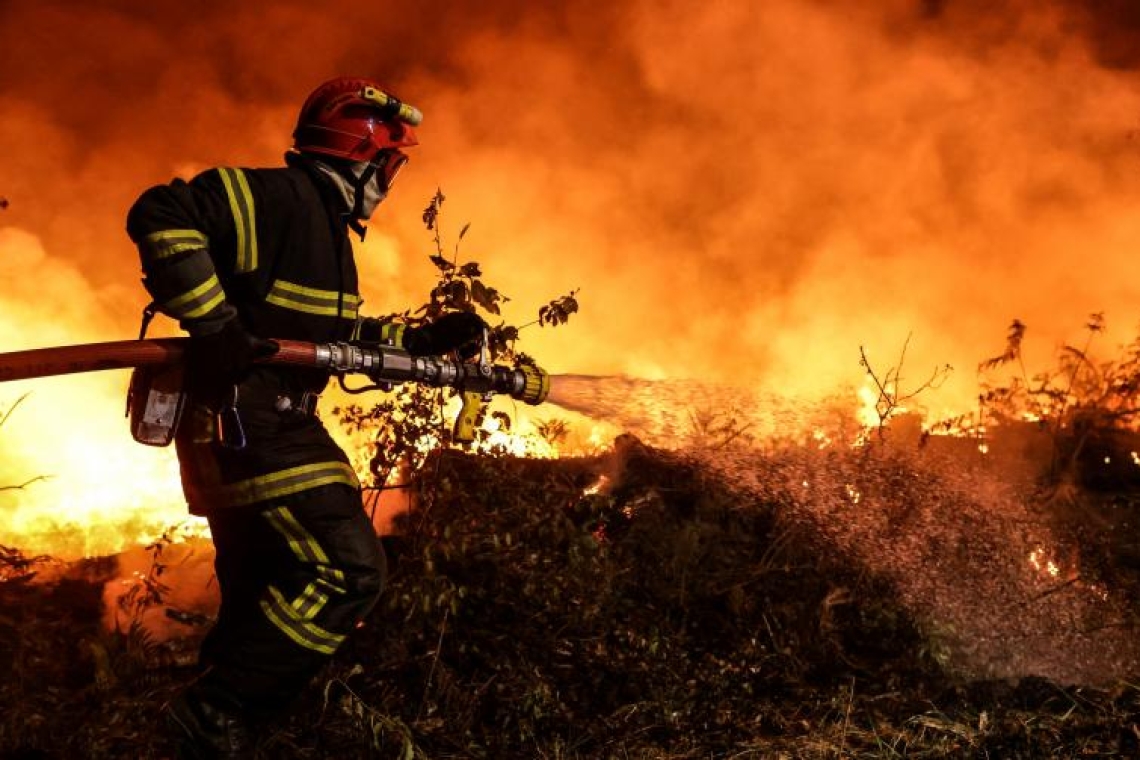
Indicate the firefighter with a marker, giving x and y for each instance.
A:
(241, 256)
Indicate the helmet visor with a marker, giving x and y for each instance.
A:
(388, 164)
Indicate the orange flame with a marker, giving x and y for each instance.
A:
(745, 191)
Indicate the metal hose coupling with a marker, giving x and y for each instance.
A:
(387, 364)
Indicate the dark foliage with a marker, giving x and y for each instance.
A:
(537, 611)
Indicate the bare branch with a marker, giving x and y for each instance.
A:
(9, 410)
(891, 396)
(26, 483)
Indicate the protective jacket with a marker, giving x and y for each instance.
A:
(267, 247)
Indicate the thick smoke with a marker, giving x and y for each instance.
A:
(744, 192)
(741, 190)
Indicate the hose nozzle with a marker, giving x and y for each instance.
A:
(536, 384)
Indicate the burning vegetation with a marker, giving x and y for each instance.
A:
(736, 575)
(793, 601)
(732, 538)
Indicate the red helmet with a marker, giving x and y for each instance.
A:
(354, 119)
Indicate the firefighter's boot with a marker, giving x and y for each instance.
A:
(203, 730)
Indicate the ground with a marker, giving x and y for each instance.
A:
(538, 610)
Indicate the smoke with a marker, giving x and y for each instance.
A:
(747, 191)
(744, 192)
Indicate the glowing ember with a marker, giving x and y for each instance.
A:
(597, 486)
(1041, 562)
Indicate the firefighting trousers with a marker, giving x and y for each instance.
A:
(296, 575)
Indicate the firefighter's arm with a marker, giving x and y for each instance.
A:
(174, 227)
(191, 238)
(451, 331)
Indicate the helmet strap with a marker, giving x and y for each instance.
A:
(354, 224)
(352, 218)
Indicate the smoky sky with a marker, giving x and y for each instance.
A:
(744, 190)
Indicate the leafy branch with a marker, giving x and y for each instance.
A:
(407, 425)
(557, 312)
(1077, 400)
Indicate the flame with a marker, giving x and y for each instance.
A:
(747, 192)
(88, 488)
(598, 486)
(867, 412)
(1043, 563)
(92, 489)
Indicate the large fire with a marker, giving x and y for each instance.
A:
(745, 192)
(75, 483)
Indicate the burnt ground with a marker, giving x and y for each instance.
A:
(676, 612)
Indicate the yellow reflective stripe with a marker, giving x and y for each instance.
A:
(245, 223)
(166, 243)
(311, 601)
(199, 301)
(316, 293)
(333, 578)
(356, 329)
(236, 210)
(325, 303)
(348, 312)
(284, 483)
(251, 262)
(206, 307)
(304, 546)
(393, 334)
(301, 631)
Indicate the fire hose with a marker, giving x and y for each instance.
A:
(384, 365)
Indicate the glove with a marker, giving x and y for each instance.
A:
(450, 332)
(221, 358)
